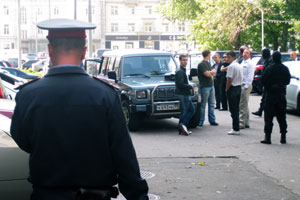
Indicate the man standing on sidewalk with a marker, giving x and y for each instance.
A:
(217, 80)
(183, 91)
(248, 74)
(275, 79)
(233, 88)
(205, 75)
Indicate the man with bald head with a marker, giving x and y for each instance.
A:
(293, 56)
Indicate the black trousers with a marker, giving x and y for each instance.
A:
(234, 95)
(218, 91)
(262, 102)
(275, 105)
(223, 93)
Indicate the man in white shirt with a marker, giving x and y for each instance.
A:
(248, 74)
(233, 88)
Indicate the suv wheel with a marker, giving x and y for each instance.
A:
(194, 122)
(131, 119)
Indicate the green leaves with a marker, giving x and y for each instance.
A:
(228, 24)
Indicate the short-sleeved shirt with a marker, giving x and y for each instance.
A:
(235, 71)
(204, 81)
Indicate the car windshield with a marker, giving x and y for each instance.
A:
(148, 65)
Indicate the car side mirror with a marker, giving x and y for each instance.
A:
(297, 78)
(193, 72)
(112, 75)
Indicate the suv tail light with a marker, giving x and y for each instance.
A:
(259, 68)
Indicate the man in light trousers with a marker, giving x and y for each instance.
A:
(248, 74)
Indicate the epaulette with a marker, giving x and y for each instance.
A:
(29, 82)
(106, 83)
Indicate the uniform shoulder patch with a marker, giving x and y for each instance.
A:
(106, 83)
(29, 82)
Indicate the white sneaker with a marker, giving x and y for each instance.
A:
(233, 132)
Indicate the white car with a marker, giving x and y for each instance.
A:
(293, 89)
(40, 65)
(14, 166)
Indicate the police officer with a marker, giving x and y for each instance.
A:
(266, 55)
(275, 79)
(73, 127)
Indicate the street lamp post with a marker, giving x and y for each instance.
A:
(262, 22)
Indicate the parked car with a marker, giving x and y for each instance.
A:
(7, 107)
(19, 73)
(28, 64)
(99, 52)
(285, 56)
(293, 89)
(40, 65)
(14, 163)
(258, 62)
(12, 79)
(7, 90)
(146, 84)
(14, 62)
(5, 64)
(29, 56)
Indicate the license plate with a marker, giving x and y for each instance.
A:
(164, 107)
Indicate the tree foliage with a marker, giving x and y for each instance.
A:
(228, 24)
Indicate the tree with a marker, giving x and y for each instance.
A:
(227, 24)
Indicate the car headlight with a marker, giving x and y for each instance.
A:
(141, 94)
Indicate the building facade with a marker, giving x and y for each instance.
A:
(121, 24)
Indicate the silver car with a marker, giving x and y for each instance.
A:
(14, 161)
(293, 89)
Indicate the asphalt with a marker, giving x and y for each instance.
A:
(235, 167)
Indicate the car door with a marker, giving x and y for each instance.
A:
(293, 87)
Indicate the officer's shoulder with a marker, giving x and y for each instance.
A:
(28, 83)
(106, 83)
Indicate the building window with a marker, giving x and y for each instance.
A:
(149, 9)
(23, 16)
(131, 27)
(132, 10)
(114, 10)
(148, 27)
(56, 11)
(165, 27)
(87, 10)
(114, 28)
(129, 45)
(181, 28)
(6, 10)
(24, 35)
(6, 29)
(39, 11)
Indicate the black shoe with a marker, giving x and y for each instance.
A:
(283, 138)
(214, 124)
(217, 107)
(257, 113)
(267, 139)
(247, 126)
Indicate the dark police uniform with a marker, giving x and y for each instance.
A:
(73, 127)
(275, 79)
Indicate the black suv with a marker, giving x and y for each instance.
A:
(147, 85)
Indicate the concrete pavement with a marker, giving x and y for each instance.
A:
(258, 171)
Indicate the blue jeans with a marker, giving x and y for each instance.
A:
(207, 96)
(187, 109)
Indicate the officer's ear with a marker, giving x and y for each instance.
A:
(50, 50)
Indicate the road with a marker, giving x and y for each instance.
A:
(209, 164)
